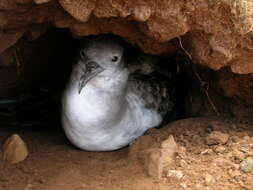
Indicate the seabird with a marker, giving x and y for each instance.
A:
(105, 106)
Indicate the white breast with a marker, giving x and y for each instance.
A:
(95, 121)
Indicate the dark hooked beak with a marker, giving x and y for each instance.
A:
(91, 70)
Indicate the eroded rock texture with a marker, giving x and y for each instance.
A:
(216, 33)
(220, 93)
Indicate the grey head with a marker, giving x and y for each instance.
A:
(100, 55)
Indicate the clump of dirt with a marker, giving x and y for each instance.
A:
(194, 163)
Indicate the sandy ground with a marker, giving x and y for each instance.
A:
(201, 161)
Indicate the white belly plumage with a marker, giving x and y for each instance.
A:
(92, 124)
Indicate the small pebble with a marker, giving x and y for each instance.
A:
(238, 156)
(14, 149)
(220, 149)
(169, 143)
(141, 13)
(183, 163)
(247, 165)
(183, 185)
(223, 163)
(29, 186)
(217, 137)
(175, 174)
(235, 175)
(209, 179)
(235, 139)
(242, 134)
(207, 152)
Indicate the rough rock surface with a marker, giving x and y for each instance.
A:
(215, 33)
(155, 154)
(220, 93)
(14, 149)
(216, 137)
(247, 165)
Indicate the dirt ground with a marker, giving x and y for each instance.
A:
(208, 156)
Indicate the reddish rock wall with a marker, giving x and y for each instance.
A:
(216, 33)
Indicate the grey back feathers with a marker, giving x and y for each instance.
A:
(154, 92)
(154, 84)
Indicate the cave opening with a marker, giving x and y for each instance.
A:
(33, 75)
(35, 72)
(205, 47)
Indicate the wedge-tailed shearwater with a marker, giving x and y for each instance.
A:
(105, 106)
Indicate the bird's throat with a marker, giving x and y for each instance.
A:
(114, 83)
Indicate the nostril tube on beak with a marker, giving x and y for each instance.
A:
(91, 70)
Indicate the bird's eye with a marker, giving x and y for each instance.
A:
(115, 58)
